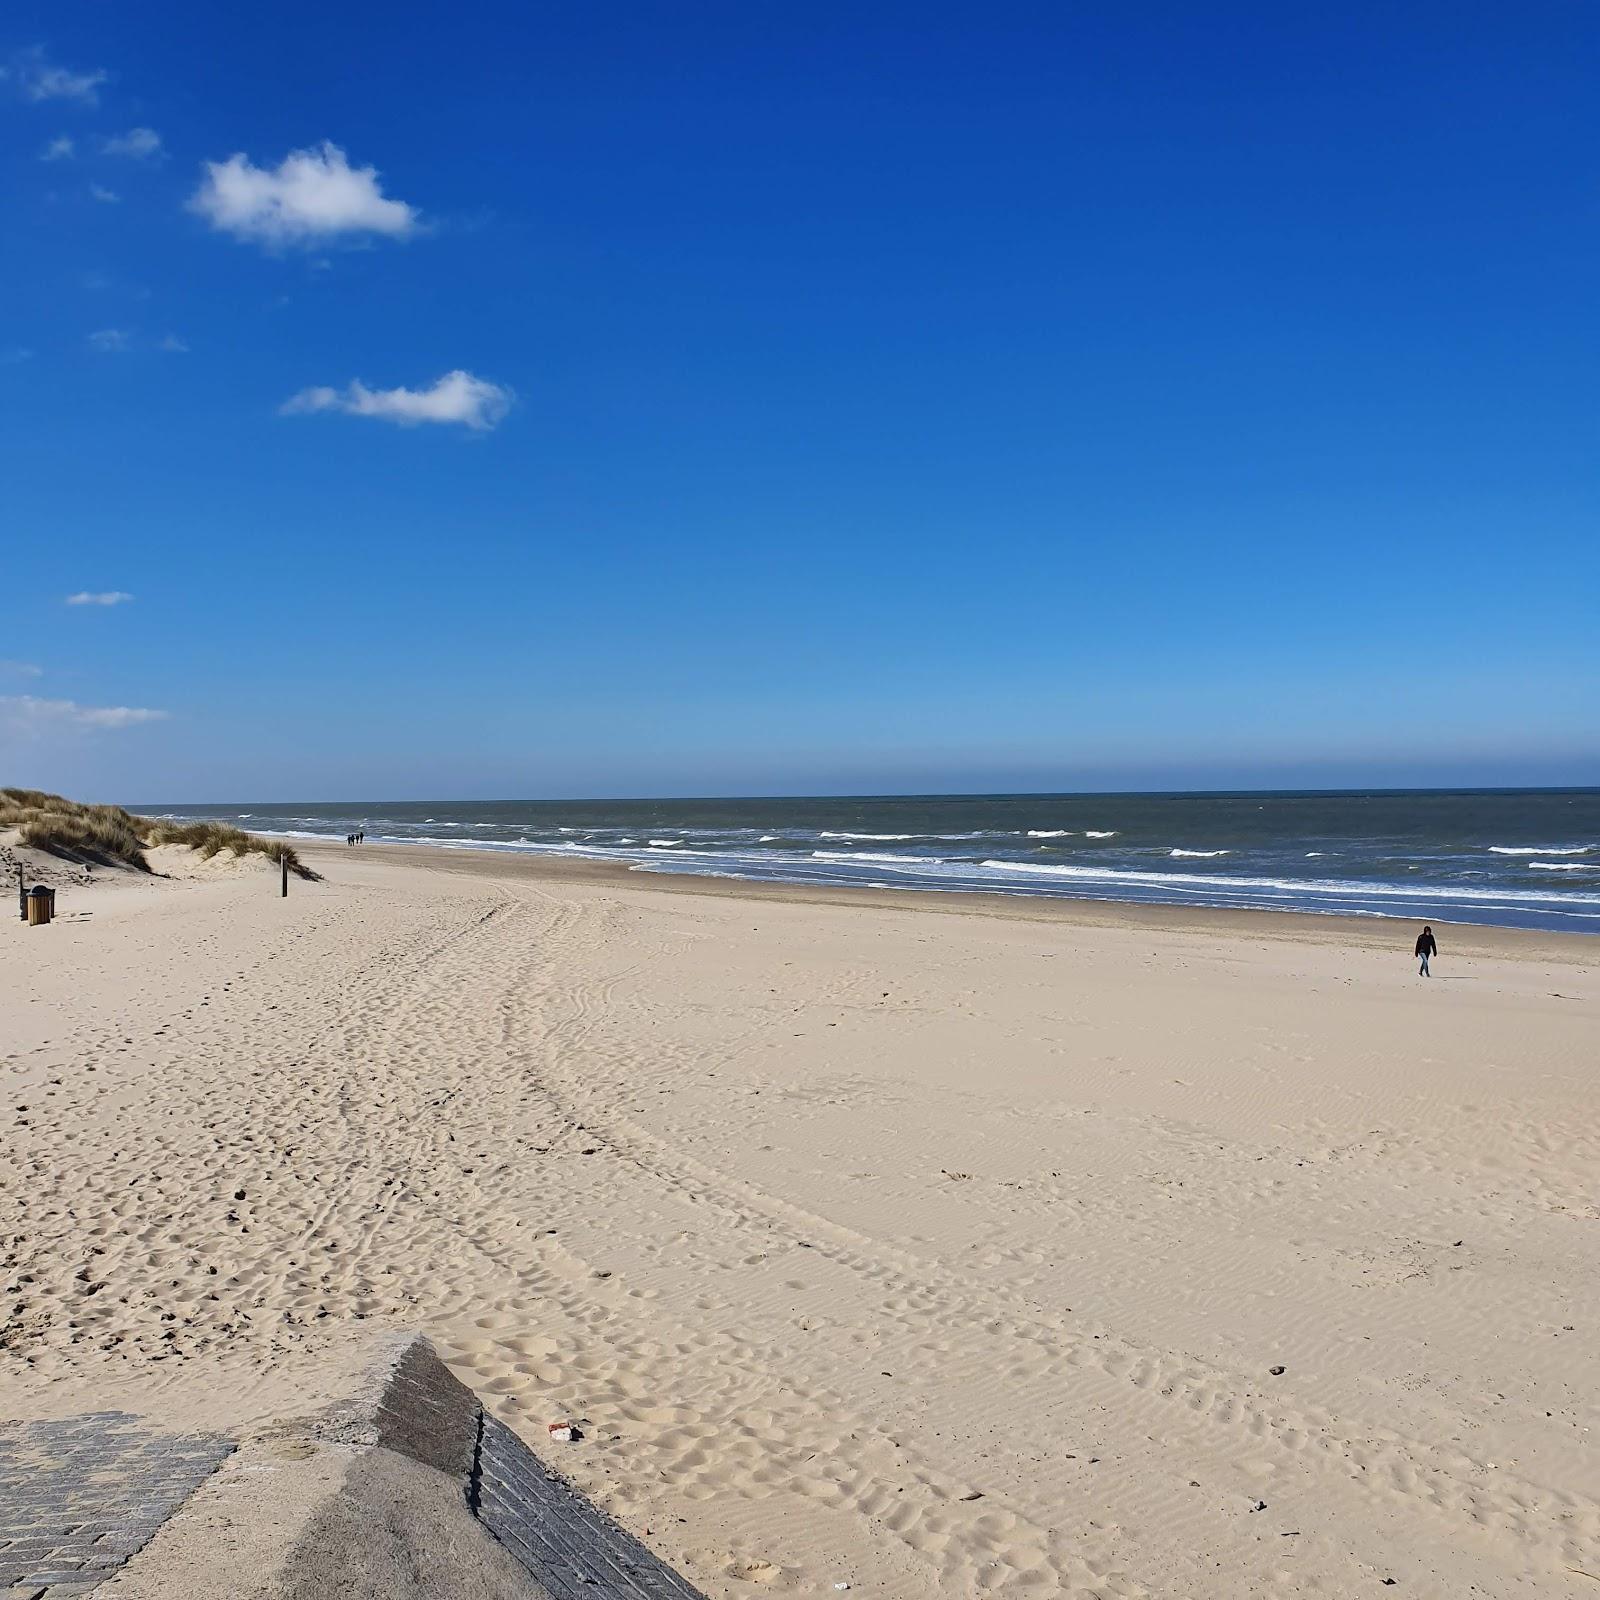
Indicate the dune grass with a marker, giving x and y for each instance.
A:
(211, 838)
(113, 836)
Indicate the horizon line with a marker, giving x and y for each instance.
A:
(921, 794)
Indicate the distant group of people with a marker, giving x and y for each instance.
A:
(358, 837)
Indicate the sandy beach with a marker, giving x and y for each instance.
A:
(936, 1245)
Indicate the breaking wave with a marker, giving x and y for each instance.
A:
(1538, 849)
(1352, 887)
(885, 857)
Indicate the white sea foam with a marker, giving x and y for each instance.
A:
(884, 856)
(530, 847)
(1098, 833)
(1559, 866)
(1538, 849)
(768, 838)
(907, 838)
(301, 833)
(898, 838)
(665, 844)
(1198, 855)
(1354, 887)
(1053, 833)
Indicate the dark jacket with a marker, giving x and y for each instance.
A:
(1426, 945)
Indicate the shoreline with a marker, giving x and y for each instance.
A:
(1526, 860)
(1306, 927)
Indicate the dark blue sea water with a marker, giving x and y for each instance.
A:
(1528, 859)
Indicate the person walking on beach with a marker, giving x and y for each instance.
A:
(1426, 946)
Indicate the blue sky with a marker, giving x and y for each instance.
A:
(846, 398)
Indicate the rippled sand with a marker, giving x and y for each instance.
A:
(934, 1246)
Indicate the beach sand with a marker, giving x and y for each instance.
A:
(935, 1245)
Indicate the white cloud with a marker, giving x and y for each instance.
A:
(126, 341)
(39, 80)
(15, 356)
(21, 669)
(310, 196)
(107, 597)
(26, 713)
(138, 143)
(104, 195)
(456, 397)
(60, 148)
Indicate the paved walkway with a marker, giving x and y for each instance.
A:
(79, 1497)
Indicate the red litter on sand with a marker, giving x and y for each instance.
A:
(565, 1432)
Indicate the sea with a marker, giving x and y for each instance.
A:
(1519, 858)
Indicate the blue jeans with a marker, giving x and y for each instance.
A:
(1425, 973)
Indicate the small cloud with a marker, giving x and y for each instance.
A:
(106, 597)
(139, 144)
(104, 283)
(310, 196)
(15, 356)
(457, 397)
(112, 716)
(39, 79)
(26, 713)
(104, 195)
(61, 148)
(21, 669)
(128, 341)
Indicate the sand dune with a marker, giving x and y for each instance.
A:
(934, 1248)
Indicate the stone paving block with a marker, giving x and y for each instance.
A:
(78, 1497)
(572, 1547)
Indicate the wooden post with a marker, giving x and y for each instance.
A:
(283, 861)
(22, 896)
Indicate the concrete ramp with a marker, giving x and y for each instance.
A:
(402, 1490)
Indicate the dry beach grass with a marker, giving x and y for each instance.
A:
(937, 1248)
(112, 836)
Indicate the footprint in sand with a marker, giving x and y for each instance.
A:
(754, 1571)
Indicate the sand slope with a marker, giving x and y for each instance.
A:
(936, 1253)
